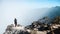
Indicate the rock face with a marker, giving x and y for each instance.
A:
(45, 26)
(11, 29)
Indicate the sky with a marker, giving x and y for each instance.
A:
(23, 10)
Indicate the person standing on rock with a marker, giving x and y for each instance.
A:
(15, 22)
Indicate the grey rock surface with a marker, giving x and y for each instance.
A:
(11, 29)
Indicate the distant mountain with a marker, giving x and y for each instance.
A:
(54, 11)
(43, 12)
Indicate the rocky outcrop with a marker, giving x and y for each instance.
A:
(11, 29)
